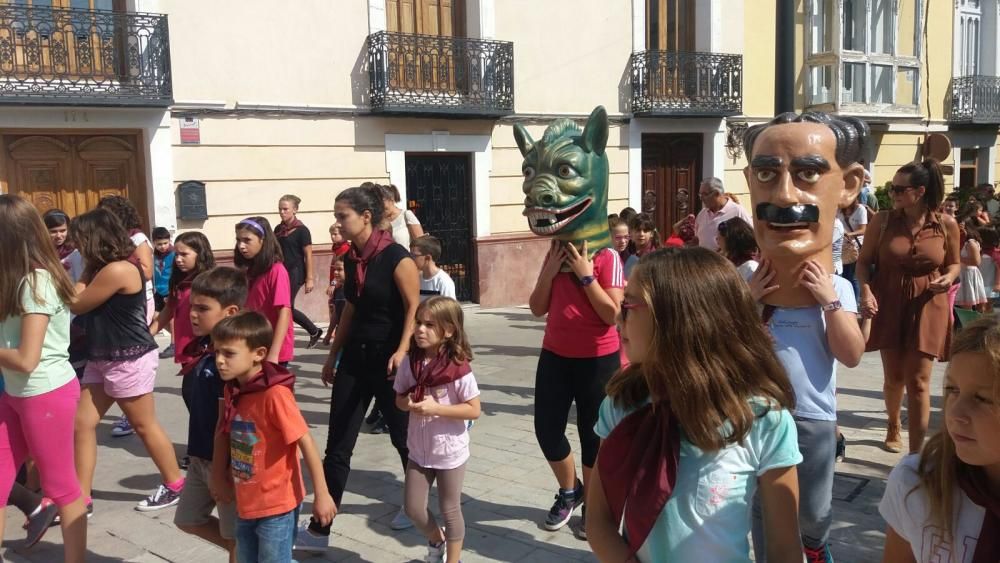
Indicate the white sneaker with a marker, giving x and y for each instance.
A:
(436, 553)
(401, 521)
(306, 540)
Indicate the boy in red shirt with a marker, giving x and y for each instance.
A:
(261, 432)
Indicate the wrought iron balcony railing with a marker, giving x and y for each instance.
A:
(975, 100)
(83, 57)
(427, 74)
(686, 84)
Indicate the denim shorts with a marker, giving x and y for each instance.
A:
(266, 540)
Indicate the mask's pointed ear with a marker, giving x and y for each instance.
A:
(595, 134)
(524, 140)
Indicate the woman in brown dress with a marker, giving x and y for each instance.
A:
(914, 250)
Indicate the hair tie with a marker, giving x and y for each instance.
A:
(254, 224)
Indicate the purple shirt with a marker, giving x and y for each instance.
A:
(436, 442)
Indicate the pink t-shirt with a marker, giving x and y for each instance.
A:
(183, 333)
(436, 442)
(573, 328)
(268, 295)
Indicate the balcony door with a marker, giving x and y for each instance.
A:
(426, 64)
(49, 41)
(670, 29)
(445, 18)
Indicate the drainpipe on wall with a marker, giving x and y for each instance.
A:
(784, 57)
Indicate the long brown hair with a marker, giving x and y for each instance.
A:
(939, 467)
(270, 249)
(709, 353)
(447, 313)
(26, 247)
(203, 262)
(101, 239)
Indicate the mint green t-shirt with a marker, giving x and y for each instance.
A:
(708, 515)
(54, 369)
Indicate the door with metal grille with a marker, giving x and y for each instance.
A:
(439, 192)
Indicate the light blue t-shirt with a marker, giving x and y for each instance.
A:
(708, 515)
(800, 342)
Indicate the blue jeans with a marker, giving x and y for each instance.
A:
(268, 539)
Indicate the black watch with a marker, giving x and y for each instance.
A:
(587, 280)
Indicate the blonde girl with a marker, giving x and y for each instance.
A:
(436, 386)
(696, 425)
(39, 406)
(270, 294)
(943, 504)
(121, 354)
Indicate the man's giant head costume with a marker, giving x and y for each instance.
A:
(802, 169)
(566, 181)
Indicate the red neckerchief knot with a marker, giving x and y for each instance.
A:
(638, 463)
(271, 374)
(377, 242)
(439, 370)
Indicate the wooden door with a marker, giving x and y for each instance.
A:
(670, 29)
(444, 18)
(671, 172)
(73, 172)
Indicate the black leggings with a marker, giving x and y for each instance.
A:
(559, 382)
(360, 377)
(299, 317)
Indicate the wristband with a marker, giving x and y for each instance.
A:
(587, 280)
(835, 306)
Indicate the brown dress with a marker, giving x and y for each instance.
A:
(909, 314)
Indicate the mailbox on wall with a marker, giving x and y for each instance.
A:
(193, 206)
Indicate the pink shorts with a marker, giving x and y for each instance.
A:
(123, 380)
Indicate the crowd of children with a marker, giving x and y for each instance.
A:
(751, 436)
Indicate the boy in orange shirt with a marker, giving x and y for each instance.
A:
(261, 432)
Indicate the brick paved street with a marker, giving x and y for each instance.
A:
(508, 487)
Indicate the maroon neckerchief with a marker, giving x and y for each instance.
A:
(440, 370)
(988, 544)
(638, 463)
(195, 352)
(271, 374)
(282, 230)
(377, 242)
(64, 251)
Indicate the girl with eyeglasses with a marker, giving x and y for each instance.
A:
(914, 251)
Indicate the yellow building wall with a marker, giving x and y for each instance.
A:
(758, 59)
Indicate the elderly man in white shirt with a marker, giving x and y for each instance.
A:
(716, 208)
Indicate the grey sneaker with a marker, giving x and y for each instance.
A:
(307, 541)
(436, 553)
(162, 497)
(401, 521)
(563, 508)
(40, 522)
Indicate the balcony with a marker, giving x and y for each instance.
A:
(675, 83)
(51, 56)
(975, 100)
(429, 74)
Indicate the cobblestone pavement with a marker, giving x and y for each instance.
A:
(508, 487)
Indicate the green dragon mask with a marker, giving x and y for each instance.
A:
(566, 181)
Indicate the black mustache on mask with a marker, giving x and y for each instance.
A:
(802, 213)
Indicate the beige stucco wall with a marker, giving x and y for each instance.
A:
(569, 55)
(257, 51)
